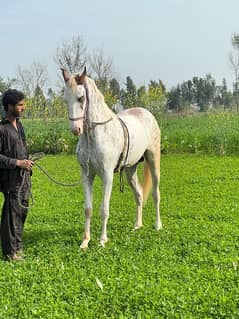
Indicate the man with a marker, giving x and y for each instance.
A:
(15, 171)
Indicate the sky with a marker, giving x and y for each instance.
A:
(168, 40)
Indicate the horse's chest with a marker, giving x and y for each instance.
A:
(98, 154)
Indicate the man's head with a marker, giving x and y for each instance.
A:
(13, 102)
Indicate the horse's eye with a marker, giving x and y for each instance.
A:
(80, 99)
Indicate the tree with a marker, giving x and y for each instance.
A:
(174, 100)
(187, 92)
(141, 96)
(234, 63)
(5, 85)
(130, 95)
(156, 97)
(33, 78)
(114, 88)
(224, 95)
(101, 69)
(204, 92)
(72, 55)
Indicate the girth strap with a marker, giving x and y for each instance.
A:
(124, 155)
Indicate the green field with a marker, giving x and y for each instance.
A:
(205, 133)
(190, 269)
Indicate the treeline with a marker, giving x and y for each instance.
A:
(201, 94)
(50, 105)
(194, 95)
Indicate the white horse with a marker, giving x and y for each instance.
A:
(112, 142)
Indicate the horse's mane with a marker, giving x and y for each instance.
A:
(93, 87)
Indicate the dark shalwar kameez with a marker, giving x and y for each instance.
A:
(13, 147)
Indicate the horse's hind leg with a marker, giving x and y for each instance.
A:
(88, 189)
(132, 177)
(153, 160)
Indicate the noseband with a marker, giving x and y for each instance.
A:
(76, 118)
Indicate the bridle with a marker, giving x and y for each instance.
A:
(87, 123)
(84, 117)
(87, 126)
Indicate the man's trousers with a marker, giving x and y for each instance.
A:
(12, 222)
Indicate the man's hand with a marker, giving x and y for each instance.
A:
(25, 164)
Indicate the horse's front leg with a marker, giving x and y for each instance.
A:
(107, 180)
(88, 191)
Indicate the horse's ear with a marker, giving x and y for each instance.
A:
(66, 75)
(80, 79)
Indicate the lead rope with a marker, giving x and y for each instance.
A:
(19, 199)
(23, 173)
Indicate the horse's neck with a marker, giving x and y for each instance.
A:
(98, 111)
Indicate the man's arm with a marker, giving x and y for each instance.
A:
(11, 163)
(6, 162)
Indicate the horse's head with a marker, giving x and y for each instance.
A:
(76, 98)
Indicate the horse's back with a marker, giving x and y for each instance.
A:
(144, 132)
(141, 120)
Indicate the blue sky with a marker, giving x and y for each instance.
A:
(171, 40)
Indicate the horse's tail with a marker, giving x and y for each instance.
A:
(147, 181)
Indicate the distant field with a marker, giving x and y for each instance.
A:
(199, 133)
(51, 136)
(190, 269)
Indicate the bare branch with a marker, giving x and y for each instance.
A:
(72, 55)
(28, 79)
(235, 41)
(101, 66)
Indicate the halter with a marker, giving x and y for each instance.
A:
(85, 117)
(88, 125)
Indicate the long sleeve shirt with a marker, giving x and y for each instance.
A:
(12, 148)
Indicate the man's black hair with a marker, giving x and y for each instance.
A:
(12, 97)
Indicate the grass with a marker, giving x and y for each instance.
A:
(190, 269)
(205, 133)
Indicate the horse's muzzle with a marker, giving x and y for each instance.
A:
(77, 131)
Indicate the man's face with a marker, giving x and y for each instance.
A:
(16, 110)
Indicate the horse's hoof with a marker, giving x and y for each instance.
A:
(158, 226)
(84, 245)
(103, 242)
(136, 227)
